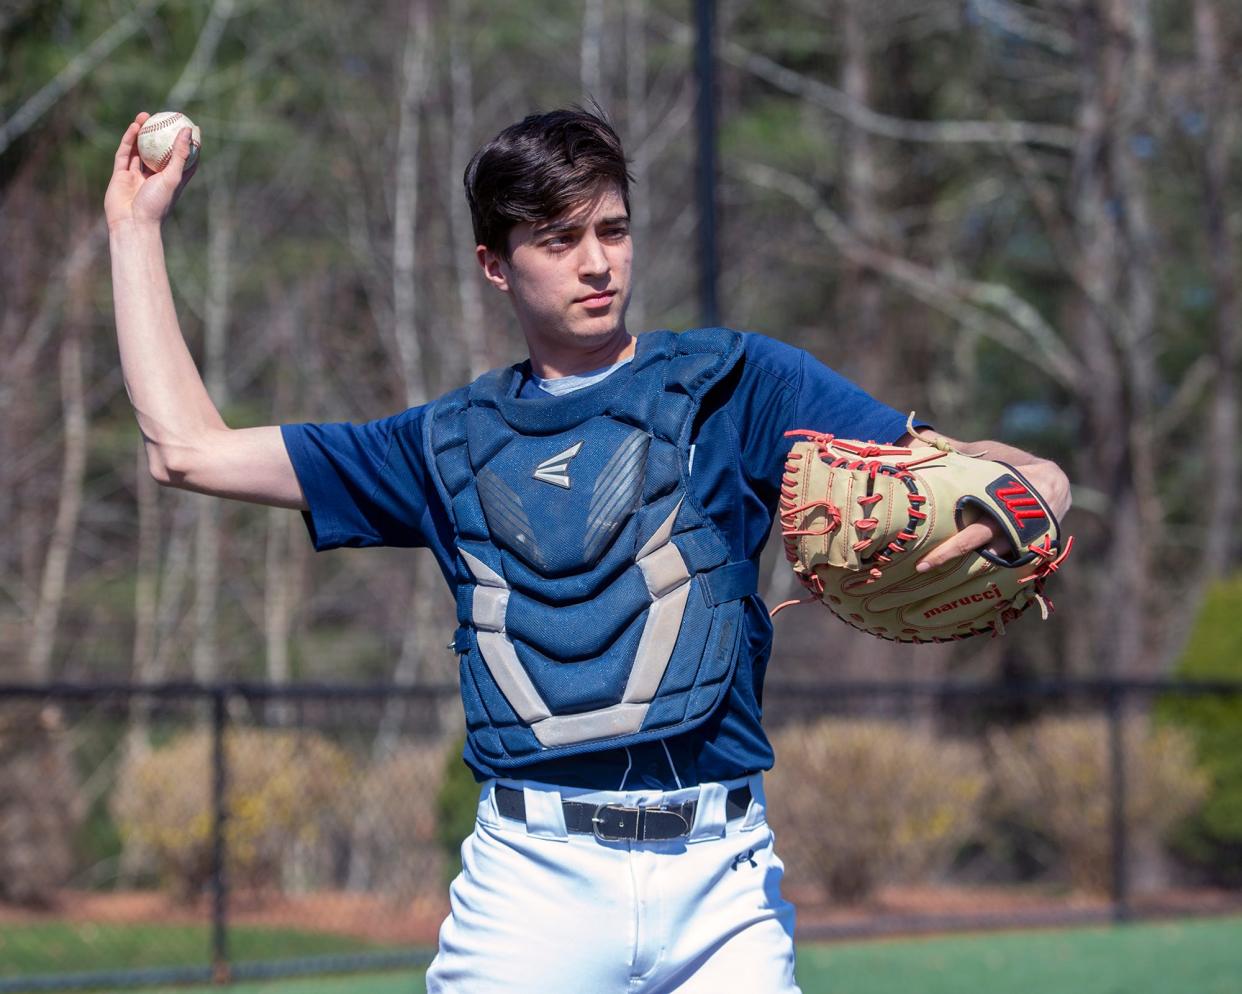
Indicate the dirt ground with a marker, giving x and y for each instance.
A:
(895, 910)
(930, 909)
(364, 916)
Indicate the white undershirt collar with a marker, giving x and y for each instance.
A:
(561, 385)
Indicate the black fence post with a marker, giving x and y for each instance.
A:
(220, 969)
(1119, 829)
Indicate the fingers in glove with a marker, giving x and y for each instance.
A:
(969, 539)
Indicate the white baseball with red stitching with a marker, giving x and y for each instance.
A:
(156, 138)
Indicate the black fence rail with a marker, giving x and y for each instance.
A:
(331, 811)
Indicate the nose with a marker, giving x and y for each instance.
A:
(592, 260)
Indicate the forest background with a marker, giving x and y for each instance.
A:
(1020, 219)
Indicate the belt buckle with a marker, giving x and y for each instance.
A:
(615, 829)
(654, 824)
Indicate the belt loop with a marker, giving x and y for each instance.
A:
(545, 817)
(758, 803)
(486, 813)
(709, 813)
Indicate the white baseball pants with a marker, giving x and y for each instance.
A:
(538, 910)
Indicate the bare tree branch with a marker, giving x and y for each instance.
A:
(1187, 399)
(991, 307)
(204, 54)
(1017, 20)
(832, 99)
(73, 73)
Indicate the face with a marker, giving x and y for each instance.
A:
(568, 277)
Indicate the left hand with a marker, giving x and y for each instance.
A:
(1047, 479)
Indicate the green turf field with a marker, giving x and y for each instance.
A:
(59, 947)
(1187, 957)
(1202, 957)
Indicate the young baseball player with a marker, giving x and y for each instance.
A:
(599, 512)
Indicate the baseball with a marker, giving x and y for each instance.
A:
(155, 140)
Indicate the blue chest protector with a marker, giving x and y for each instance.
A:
(596, 604)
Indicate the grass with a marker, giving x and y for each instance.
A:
(59, 947)
(1185, 957)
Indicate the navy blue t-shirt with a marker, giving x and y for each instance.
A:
(368, 485)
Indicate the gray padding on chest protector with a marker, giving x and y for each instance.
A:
(616, 492)
(667, 578)
(507, 518)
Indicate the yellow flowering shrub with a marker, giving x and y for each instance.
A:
(1054, 777)
(859, 803)
(286, 792)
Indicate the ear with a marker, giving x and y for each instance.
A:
(495, 269)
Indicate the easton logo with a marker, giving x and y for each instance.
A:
(555, 469)
(991, 594)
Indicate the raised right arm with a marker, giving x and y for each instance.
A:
(188, 444)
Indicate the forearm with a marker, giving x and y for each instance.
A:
(1046, 476)
(172, 405)
(999, 451)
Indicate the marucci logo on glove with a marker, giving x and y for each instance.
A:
(991, 594)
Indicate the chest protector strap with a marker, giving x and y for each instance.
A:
(596, 602)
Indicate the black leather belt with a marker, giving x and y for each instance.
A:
(619, 823)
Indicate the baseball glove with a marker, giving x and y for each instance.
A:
(857, 517)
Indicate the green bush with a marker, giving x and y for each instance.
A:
(456, 805)
(859, 803)
(1054, 777)
(286, 791)
(1212, 838)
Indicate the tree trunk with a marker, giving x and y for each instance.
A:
(142, 662)
(1099, 315)
(461, 140)
(284, 548)
(640, 164)
(51, 596)
(592, 51)
(415, 376)
(1135, 127)
(405, 207)
(861, 296)
(1220, 132)
(205, 661)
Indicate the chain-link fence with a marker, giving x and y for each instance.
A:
(183, 833)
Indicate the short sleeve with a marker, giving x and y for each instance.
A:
(365, 484)
(828, 402)
(784, 388)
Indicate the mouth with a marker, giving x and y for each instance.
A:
(597, 299)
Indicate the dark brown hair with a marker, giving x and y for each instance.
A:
(540, 167)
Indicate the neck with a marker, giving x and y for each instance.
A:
(552, 361)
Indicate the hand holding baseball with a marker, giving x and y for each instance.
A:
(140, 194)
